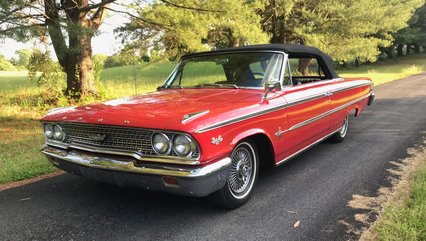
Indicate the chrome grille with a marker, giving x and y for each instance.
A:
(116, 137)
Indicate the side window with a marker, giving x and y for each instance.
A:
(287, 75)
(306, 70)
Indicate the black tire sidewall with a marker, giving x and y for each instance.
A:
(225, 197)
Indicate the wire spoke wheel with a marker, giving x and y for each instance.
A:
(241, 176)
(242, 170)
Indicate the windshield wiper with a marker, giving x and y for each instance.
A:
(162, 87)
(217, 85)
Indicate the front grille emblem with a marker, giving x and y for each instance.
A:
(97, 137)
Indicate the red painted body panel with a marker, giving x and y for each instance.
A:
(292, 106)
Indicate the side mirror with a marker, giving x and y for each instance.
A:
(269, 86)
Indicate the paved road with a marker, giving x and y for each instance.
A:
(315, 187)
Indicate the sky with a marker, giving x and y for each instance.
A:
(105, 42)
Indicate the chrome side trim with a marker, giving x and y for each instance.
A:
(306, 122)
(266, 111)
(117, 165)
(240, 118)
(304, 100)
(136, 155)
(349, 88)
(192, 116)
(305, 148)
(325, 94)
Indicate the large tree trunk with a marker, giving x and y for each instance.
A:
(417, 49)
(235, 42)
(303, 65)
(76, 58)
(79, 68)
(400, 50)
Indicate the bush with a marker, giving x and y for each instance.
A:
(47, 73)
(5, 65)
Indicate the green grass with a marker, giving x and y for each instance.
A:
(390, 69)
(20, 142)
(131, 80)
(408, 222)
(22, 103)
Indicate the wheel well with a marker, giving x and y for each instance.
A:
(265, 150)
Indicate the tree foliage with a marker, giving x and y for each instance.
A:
(194, 25)
(23, 58)
(70, 26)
(5, 64)
(415, 33)
(43, 69)
(348, 30)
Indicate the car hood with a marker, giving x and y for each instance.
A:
(164, 109)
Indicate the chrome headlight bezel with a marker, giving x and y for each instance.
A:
(167, 142)
(58, 133)
(48, 130)
(189, 146)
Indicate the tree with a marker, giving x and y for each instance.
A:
(413, 35)
(23, 58)
(5, 65)
(70, 26)
(178, 27)
(351, 30)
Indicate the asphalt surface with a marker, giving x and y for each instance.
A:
(314, 188)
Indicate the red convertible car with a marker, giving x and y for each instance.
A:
(216, 120)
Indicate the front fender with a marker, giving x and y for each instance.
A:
(246, 134)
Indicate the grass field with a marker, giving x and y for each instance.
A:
(405, 218)
(22, 103)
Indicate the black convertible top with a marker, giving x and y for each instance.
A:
(293, 50)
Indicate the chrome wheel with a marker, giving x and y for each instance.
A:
(242, 170)
(242, 176)
(344, 129)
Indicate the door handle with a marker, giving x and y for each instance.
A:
(328, 94)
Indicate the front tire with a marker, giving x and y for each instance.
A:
(242, 177)
(342, 133)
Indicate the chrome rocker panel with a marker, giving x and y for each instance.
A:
(192, 181)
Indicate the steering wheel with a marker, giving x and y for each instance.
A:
(258, 73)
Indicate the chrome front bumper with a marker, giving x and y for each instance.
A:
(191, 181)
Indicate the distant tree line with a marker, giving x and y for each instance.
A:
(351, 31)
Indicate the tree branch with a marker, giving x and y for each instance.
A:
(190, 8)
(98, 5)
(98, 17)
(139, 18)
(55, 32)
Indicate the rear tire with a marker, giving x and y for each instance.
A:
(242, 177)
(342, 133)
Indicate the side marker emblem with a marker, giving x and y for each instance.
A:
(279, 133)
(217, 141)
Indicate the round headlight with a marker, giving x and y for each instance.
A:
(183, 145)
(58, 133)
(161, 143)
(48, 131)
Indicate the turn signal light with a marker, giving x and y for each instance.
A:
(170, 182)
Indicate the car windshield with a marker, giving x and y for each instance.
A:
(227, 70)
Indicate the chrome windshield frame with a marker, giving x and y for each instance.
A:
(172, 75)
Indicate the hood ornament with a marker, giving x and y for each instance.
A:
(192, 116)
